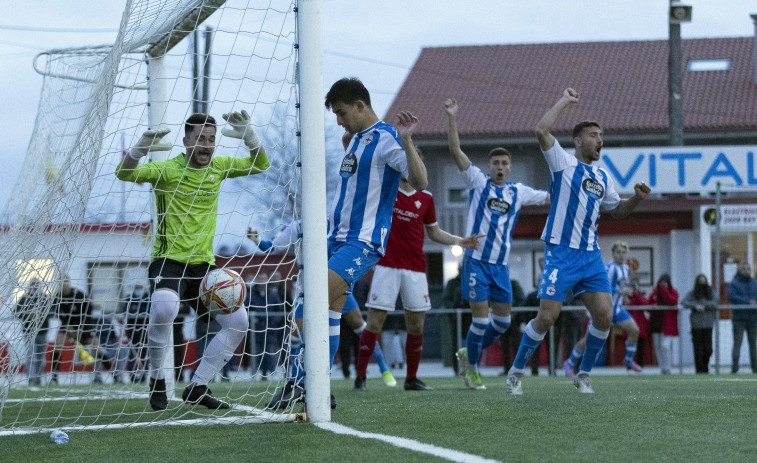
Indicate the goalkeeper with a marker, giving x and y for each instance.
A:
(186, 195)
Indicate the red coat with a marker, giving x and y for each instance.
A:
(668, 296)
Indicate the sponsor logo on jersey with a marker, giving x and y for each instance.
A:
(404, 213)
(349, 165)
(498, 206)
(593, 187)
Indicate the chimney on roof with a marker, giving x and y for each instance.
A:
(754, 51)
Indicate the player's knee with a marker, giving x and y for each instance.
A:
(164, 306)
(237, 320)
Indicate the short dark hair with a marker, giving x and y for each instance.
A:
(500, 152)
(348, 90)
(198, 119)
(582, 125)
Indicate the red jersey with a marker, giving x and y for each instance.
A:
(404, 248)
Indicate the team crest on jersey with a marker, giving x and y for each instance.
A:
(349, 165)
(498, 206)
(418, 204)
(593, 187)
(472, 294)
(551, 290)
(368, 139)
(212, 178)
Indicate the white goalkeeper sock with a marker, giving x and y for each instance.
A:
(164, 307)
(221, 348)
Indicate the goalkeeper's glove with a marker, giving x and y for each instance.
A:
(150, 141)
(241, 128)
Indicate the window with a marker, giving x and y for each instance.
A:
(697, 65)
(457, 196)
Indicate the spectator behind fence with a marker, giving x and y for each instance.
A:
(637, 297)
(664, 323)
(31, 303)
(742, 290)
(703, 304)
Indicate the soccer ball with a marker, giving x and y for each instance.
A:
(222, 291)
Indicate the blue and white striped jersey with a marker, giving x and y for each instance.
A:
(618, 276)
(493, 211)
(578, 192)
(371, 171)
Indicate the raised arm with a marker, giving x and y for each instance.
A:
(543, 128)
(453, 137)
(240, 127)
(151, 140)
(626, 206)
(416, 170)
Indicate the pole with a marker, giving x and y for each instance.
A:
(717, 277)
(205, 98)
(675, 84)
(195, 72)
(313, 159)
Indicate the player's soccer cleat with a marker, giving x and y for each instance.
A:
(631, 365)
(513, 384)
(583, 383)
(474, 381)
(359, 383)
(462, 360)
(415, 384)
(388, 379)
(290, 394)
(158, 398)
(569, 368)
(333, 402)
(196, 394)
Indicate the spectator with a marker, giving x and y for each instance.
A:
(452, 298)
(74, 312)
(137, 313)
(701, 300)
(664, 323)
(32, 302)
(110, 349)
(742, 290)
(636, 297)
(262, 299)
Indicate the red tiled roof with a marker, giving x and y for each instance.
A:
(503, 90)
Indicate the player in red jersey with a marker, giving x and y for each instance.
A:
(403, 270)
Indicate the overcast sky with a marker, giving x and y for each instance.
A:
(377, 41)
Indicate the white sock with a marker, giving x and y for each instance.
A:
(233, 328)
(164, 307)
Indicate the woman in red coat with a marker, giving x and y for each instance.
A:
(664, 323)
(635, 296)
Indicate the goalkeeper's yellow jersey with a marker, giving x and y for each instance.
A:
(187, 201)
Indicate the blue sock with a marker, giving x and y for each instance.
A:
(528, 343)
(475, 339)
(297, 373)
(334, 319)
(595, 342)
(630, 351)
(378, 357)
(575, 356)
(496, 328)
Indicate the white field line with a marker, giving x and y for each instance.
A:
(257, 415)
(410, 444)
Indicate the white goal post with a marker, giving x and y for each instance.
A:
(71, 223)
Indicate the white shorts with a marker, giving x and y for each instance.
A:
(387, 282)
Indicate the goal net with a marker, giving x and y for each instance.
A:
(71, 228)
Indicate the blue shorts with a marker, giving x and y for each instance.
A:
(619, 315)
(352, 260)
(349, 305)
(484, 281)
(567, 268)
